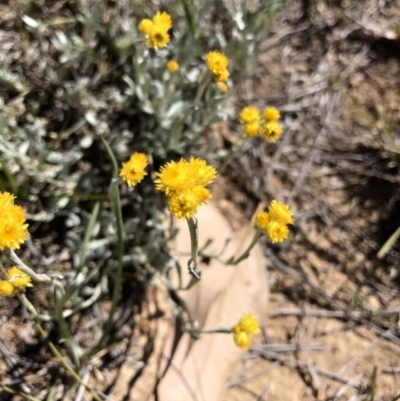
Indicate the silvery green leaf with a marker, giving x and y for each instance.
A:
(73, 220)
(139, 93)
(193, 74)
(60, 41)
(175, 109)
(238, 18)
(73, 241)
(23, 148)
(70, 157)
(147, 108)
(90, 117)
(62, 202)
(30, 21)
(129, 81)
(159, 89)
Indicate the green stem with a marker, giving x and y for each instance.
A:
(57, 354)
(18, 393)
(246, 253)
(116, 205)
(209, 331)
(54, 350)
(202, 87)
(41, 278)
(238, 148)
(194, 244)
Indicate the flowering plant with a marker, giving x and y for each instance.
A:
(117, 145)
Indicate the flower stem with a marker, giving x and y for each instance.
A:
(57, 354)
(194, 244)
(234, 261)
(226, 330)
(53, 349)
(237, 149)
(41, 278)
(116, 206)
(18, 393)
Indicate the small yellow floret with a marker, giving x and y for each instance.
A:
(251, 129)
(216, 62)
(249, 324)
(145, 25)
(13, 229)
(172, 66)
(222, 76)
(277, 232)
(163, 19)
(172, 177)
(242, 340)
(262, 220)
(6, 289)
(271, 114)
(133, 171)
(222, 86)
(156, 30)
(157, 38)
(249, 114)
(200, 172)
(184, 182)
(271, 131)
(183, 205)
(280, 212)
(18, 279)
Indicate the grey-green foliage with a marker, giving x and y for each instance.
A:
(69, 77)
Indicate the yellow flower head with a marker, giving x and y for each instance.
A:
(157, 37)
(156, 30)
(251, 129)
(172, 177)
(280, 212)
(249, 114)
(183, 205)
(222, 86)
(242, 340)
(163, 20)
(200, 172)
(145, 25)
(13, 230)
(6, 289)
(262, 220)
(217, 62)
(172, 66)
(184, 182)
(184, 175)
(249, 324)
(271, 114)
(18, 279)
(133, 171)
(222, 76)
(271, 131)
(277, 231)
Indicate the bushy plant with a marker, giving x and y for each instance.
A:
(103, 115)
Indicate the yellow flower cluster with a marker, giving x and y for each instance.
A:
(222, 86)
(184, 183)
(172, 66)
(217, 63)
(13, 230)
(274, 223)
(267, 126)
(17, 281)
(156, 30)
(246, 327)
(133, 171)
